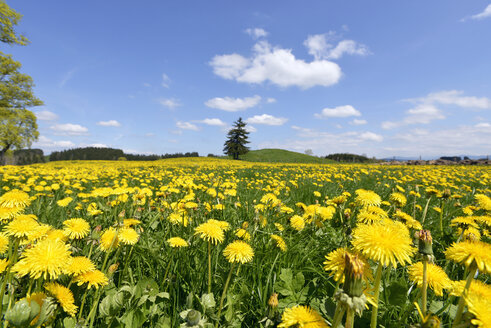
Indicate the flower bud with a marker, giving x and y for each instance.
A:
(273, 300)
(193, 318)
(425, 242)
(353, 275)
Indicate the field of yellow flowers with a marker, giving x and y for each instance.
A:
(220, 243)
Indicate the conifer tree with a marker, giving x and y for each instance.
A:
(235, 144)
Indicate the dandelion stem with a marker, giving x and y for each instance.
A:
(425, 211)
(80, 311)
(441, 216)
(378, 276)
(338, 315)
(224, 293)
(8, 275)
(425, 286)
(460, 307)
(209, 267)
(350, 318)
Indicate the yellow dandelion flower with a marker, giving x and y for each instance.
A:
(76, 228)
(94, 279)
(471, 252)
(57, 234)
(22, 226)
(335, 263)
(243, 234)
(64, 297)
(483, 201)
(15, 199)
(224, 225)
(131, 222)
(297, 222)
(128, 236)
(279, 226)
(3, 265)
(280, 242)
(210, 231)
(398, 199)
(177, 242)
(302, 317)
(238, 251)
(64, 202)
(387, 242)
(464, 222)
(477, 289)
(317, 194)
(109, 239)
(481, 309)
(4, 243)
(7, 213)
(326, 213)
(437, 278)
(47, 259)
(367, 197)
(408, 220)
(79, 265)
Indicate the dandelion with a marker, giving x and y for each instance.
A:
(109, 239)
(76, 228)
(398, 199)
(7, 213)
(3, 265)
(210, 231)
(22, 226)
(335, 263)
(4, 243)
(437, 278)
(471, 253)
(64, 202)
(297, 222)
(238, 252)
(177, 242)
(79, 265)
(93, 278)
(302, 317)
(64, 297)
(483, 202)
(15, 199)
(131, 222)
(367, 197)
(481, 309)
(243, 234)
(280, 242)
(128, 236)
(48, 259)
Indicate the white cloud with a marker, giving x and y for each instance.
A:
(267, 119)
(250, 128)
(370, 136)
(256, 33)
(69, 129)
(98, 145)
(233, 104)
(319, 47)
(187, 126)
(358, 122)
(482, 15)
(454, 97)
(213, 121)
(276, 65)
(483, 125)
(46, 115)
(44, 142)
(270, 100)
(421, 114)
(165, 80)
(67, 77)
(109, 123)
(340, 111)
(170, 103)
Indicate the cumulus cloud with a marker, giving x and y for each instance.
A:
(266, 119)
(482, 15)
(165, 80)
(483, 125)
(69, 129)
(340, 111)
(421, 114)
(454, 97)
(213, 121)
(109, 123)
(187, 126)
(319, 46)
(250, 128)
(170, 103)
(98, 145)
(46, 115)
(230, 104)
(44, 142)
(277, 66)
(271, 100)
(370, 136)
(256, 33)
(358, 122)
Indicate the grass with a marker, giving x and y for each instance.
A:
(282, 156)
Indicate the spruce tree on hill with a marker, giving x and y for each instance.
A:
(235, 144)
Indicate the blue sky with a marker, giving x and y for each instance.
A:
(381, 78)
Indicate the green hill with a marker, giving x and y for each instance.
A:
(282, 156)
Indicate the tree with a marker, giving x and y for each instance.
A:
(237, 140)
(18, 126)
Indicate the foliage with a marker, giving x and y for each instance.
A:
(24, 157)
(18, 127)
(109, 154)
(235, 144)
(282, 156)
(351, 158)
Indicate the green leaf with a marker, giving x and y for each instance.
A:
(208, 301)
(397, 293)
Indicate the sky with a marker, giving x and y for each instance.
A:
(379, 78)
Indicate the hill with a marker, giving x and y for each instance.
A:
(282, 156)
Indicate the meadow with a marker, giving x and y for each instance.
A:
(221, 243)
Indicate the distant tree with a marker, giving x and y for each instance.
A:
(18, 126)
(235, 144)
(308, 152)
